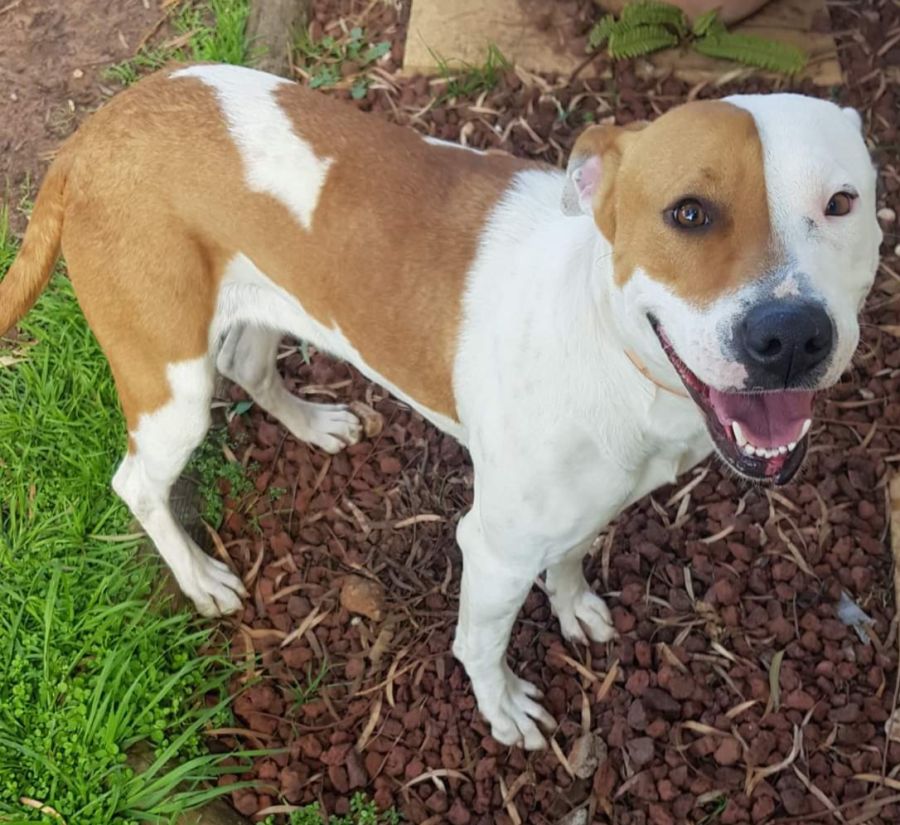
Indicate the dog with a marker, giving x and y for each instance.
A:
(685, 286)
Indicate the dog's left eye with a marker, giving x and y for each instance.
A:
(840, 204)
(690, 214)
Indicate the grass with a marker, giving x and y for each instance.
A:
(469, 80)
(212, 30)
(88, 670)
(326, 61)
(362, 812)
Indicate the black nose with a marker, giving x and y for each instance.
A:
(783, 341)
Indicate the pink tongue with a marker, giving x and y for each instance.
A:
(769, 419)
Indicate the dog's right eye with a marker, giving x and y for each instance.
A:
(689, 214)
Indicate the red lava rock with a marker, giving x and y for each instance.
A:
(661, 702)
(363, 596)
(641, 751)
(356, 771)
(659, 815)
(458, 814)
(728, 752)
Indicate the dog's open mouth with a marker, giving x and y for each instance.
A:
(762, 436)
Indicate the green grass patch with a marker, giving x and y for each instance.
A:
(362, 812)
(211, 30)
(88, 669)
(469, 80)
(331, 61)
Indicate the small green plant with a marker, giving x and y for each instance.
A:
(469, 80)
(304, 694)
(211, 30)
(649, 25)
(328, 60)
(209, 466)
(363, 811)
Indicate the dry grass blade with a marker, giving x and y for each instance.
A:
(419, 519)
(218, 544)
(819, 794)
(585, 672)
(374, 716)
(774, 702)
(436, 774)
(315, 616)
(680, 494)
(703, 730)
(757, 775)
(608, 681)
(46, 810)
(876, 779)
(557, 750)
(253, 571)
(510, 808)
(737, 710)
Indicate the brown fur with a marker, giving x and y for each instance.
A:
(709, 150)
(155, 206)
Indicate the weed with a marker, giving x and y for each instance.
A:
(647, 26)
(210, 466)
(276, 493)
(303, 694)
(326, 61)
(87, 669)
(211, 30)
(469, 80)
(362, 812)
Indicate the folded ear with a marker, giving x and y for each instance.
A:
(592, 165)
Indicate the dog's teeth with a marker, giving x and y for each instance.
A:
(782, 450)
(749, 449)
(738, 434)
(806, 425)
(792, 446)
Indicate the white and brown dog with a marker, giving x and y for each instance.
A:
(699, 283)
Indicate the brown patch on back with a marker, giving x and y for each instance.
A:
(710, 150)
(156, 206)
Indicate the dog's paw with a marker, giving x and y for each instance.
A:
(214, 589)
(514, 715)
(332, 427)
(584, 612)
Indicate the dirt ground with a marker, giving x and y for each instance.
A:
(718, 591)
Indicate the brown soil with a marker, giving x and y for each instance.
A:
(354, 572)
(52, 59)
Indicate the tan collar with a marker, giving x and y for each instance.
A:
(646, 373)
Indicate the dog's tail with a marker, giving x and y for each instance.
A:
(31, 270)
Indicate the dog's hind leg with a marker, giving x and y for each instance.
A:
(160, 444)
(247, 357)
(577, 608)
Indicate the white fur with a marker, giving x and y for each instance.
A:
(276, 160)
(163, 443)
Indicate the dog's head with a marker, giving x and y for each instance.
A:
(744, 241)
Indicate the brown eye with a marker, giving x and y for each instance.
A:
(690, 214)
(840, 204)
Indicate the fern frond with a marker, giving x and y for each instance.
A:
(640, 40)
(601, 31)
(708, 23)
(654, 13)
(753, 51)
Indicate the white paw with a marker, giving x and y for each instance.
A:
(584, 612)
(213, 588)
(513, 713)
(331, 427)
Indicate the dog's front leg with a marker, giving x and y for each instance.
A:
(495, 583)
(576, 607)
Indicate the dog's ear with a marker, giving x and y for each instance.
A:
(593, 163)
